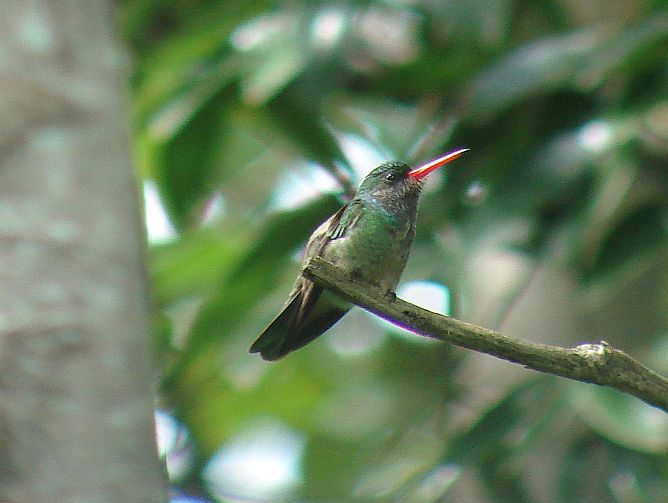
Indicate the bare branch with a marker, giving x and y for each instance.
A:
(597, 363)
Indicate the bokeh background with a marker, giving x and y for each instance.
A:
(253, 120)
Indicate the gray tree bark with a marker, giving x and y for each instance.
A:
(76, 420)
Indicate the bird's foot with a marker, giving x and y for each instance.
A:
(390, 296)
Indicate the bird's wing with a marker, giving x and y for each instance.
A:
(298, 324)
(336, 227)
(348, 218)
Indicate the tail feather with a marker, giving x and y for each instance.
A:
(270, 344)
(302, 320)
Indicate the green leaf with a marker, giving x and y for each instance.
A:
(191, 264)
(254, 275)
(592, 469)
(187, 166)
(640, 233)
(620, 418)
(499, 430)
(256, 272)
(541, 65)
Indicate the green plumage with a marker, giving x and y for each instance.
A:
(370, 238)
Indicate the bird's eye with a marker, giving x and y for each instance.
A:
(390, 177)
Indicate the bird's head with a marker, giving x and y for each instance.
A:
(397, 180)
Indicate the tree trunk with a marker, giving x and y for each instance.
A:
(76, 420)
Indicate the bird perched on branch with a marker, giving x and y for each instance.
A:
(370, 238)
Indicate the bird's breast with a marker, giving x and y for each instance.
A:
(375, 250)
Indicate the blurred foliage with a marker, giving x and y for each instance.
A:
(252, 116)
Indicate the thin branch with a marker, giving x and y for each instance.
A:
(597, 363)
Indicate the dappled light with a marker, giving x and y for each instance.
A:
(361, 154)
(356, 334)
(595, 136)
(262, 463)
(158, 227)
(254, 122)
(327, 27)
(301, 184)
(174, 445)
(427, 294)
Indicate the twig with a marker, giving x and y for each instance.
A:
(597, 363)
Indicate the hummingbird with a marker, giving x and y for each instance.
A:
(369, 237)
